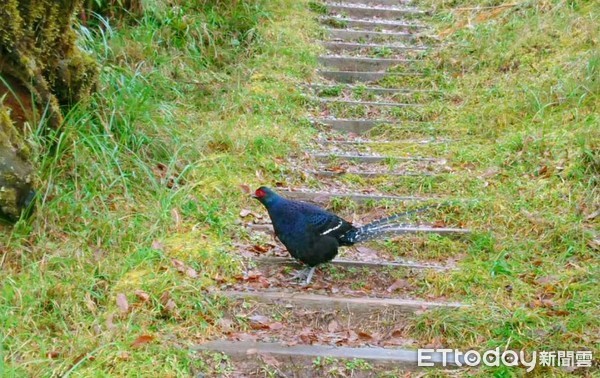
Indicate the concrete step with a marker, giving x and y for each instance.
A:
(377, 25)
(352, 35)
(381, 91)
(355, 264)
(322, 198)
(369, 49)
(332, 302)
(361, 126)
(380, 12)
(302, 357)
(367, 143)
(349, 77)
(370, 158)
(369, 103)
(390, 3)
(353, 63)
(369, 174)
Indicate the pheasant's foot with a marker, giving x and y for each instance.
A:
(304, 275)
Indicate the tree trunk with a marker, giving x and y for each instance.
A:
(41, 71)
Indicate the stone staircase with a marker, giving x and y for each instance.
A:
(354, 319)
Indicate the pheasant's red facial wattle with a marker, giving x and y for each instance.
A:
(260, 193)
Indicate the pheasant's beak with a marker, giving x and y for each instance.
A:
(254, 196)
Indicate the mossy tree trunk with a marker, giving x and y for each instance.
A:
(41, 71)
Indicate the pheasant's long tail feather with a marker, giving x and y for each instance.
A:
(368, 232)
(379, 228)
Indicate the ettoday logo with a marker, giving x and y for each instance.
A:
(494, 357)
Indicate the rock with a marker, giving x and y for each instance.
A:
(16, 178)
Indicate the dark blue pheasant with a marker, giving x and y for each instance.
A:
(313, 235)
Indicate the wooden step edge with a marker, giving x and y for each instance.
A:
(272, 260)
(357, 304)
(302, 355)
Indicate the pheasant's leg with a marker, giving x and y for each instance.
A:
(300, 274)
(310, 274)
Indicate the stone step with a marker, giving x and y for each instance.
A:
(332, 302)
(374, 90)
(354, 63)
(370, 103)
(370, 142)
(370, 158)
(381, 12)
(369, 174)
(355, 23)
(361, 126)
(267, 227)
(349, 77)
(371, 48)
(326, 197)
(372, 2)
(355, 264)
(302, 356)
(352, 35)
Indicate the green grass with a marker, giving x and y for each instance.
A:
(193, 101)
(525, 91)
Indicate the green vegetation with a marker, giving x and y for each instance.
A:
(524, 82)
(193, 100)
(115, 275)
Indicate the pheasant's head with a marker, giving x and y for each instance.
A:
(265, 195)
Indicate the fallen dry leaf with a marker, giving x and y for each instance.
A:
(122, 303)
(182, 268)
(168, 303)
(268, 359)
(364, 335)
(141, 340)
(89, 303)
(400, 283)
(110, 325)
(124, 356)
(276, 326)
(246, 188)
(333, 326)
(142, 295)
(157, 245)
(176, 217)
(260, 249)
(259, 322)
(245, 212)
(225, 324)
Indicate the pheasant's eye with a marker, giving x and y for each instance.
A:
(260, 193)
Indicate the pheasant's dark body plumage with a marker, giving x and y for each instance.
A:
(311, 234)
